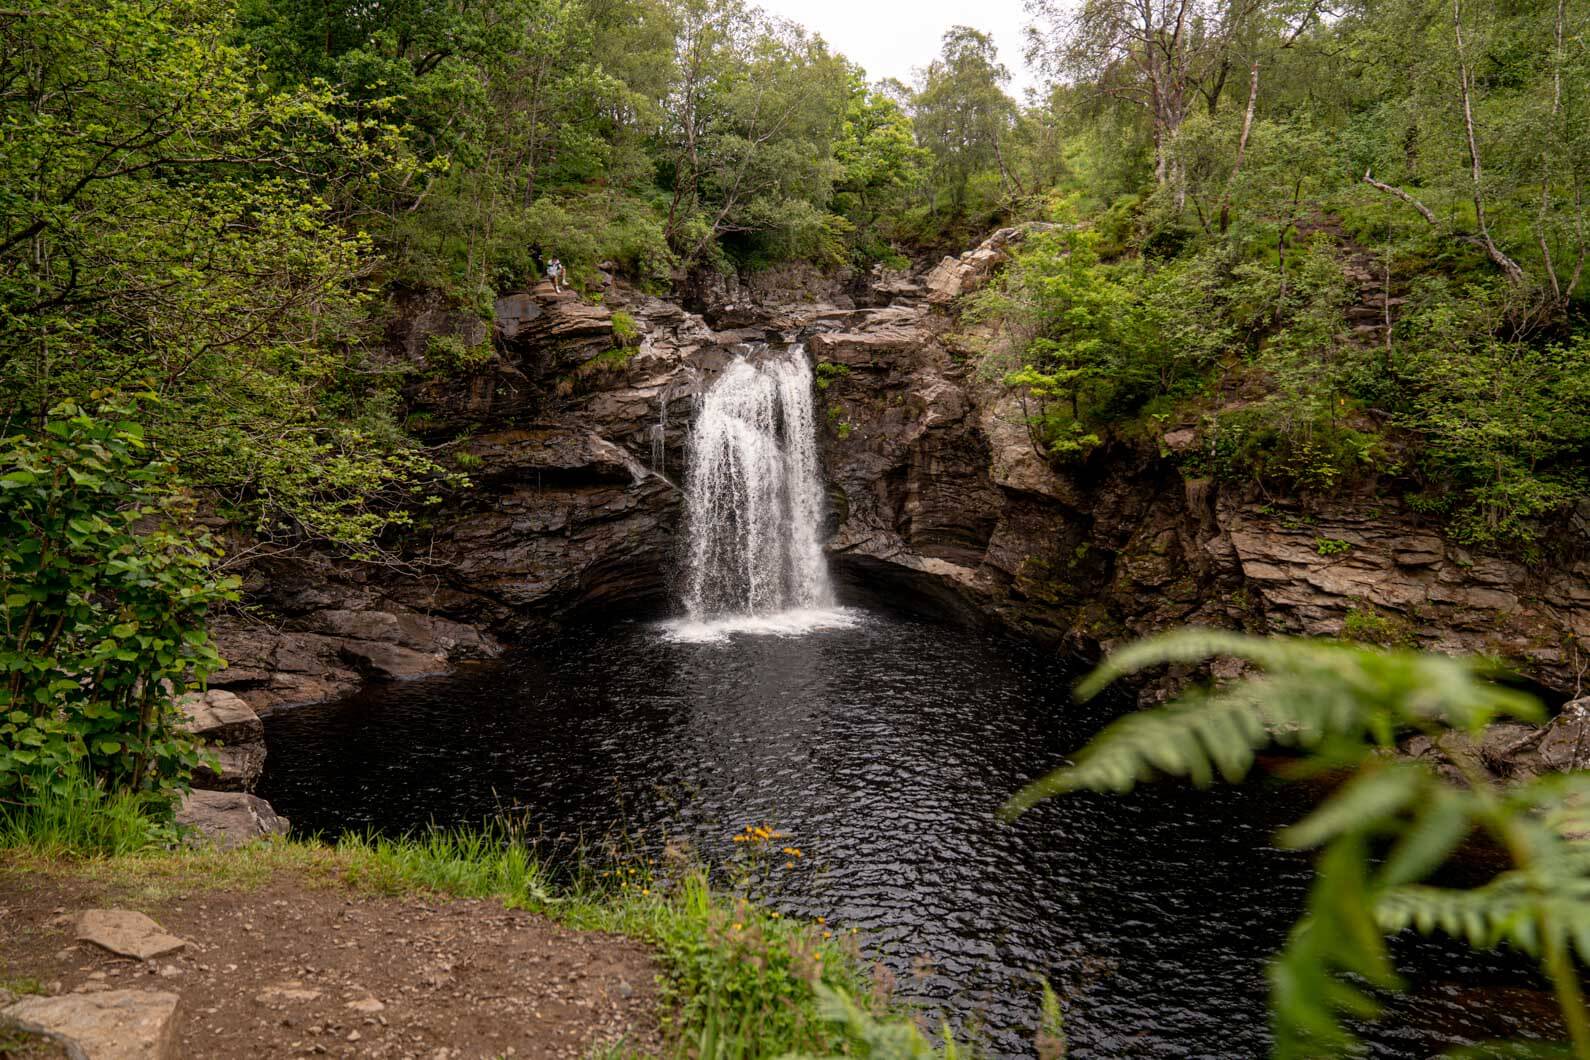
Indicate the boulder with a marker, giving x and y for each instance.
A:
(234, 733)
(229, 818)
(109, 1025)
(953, 277)
(219, 716)
(126, 933)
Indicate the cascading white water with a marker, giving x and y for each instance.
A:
(754, 497)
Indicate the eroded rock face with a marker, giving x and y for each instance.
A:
(575, 442)
(1512, 751)
(939, 490)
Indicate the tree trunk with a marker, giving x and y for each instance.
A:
(1242, 147)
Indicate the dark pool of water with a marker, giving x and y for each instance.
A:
(884, 751)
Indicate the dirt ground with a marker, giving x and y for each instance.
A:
(289, 968)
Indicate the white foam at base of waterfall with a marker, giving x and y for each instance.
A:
(797, 622)
(754, 497)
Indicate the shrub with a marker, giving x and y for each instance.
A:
(1366, 625)
(614, 360)
(451, 355)
(105, 591)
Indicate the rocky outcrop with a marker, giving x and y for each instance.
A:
(1511, 751)
(232, 732)
(573, 434)
(954, 277)
(333, 626)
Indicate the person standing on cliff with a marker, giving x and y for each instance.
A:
(555, 274)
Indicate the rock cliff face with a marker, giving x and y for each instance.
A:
(573, 432)
(940, 490)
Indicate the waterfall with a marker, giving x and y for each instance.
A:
(754, 494)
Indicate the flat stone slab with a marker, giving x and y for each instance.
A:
(110, 1025)
(126, 933)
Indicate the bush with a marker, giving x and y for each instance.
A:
(105, 591)
(830, 372)
(1366, 625)
(450, 355)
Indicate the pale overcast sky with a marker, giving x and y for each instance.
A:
(891, 38)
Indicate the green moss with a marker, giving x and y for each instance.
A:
(1367, 625)
(829, 373)
(1331, 546)
(625, 329)
(614, 360)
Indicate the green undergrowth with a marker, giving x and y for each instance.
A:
(737, 980)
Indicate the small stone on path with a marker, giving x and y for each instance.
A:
(126, 933)
(292, 990)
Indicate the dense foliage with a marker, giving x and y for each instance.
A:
(104, 598)
(1385, 830)
(1365, 270)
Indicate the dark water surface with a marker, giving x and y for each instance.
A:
(884, 751)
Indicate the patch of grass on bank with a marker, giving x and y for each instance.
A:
(78, 819)
(739, 980)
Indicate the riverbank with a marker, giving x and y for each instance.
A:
(450, 945)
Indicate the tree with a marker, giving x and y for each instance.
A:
(1495, 138)
(1152, 54)
(961, 111)
(167, 225)
(754, 111)
(876, 152)
(1163, 56)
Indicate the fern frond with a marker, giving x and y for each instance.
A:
(1411, 684)
(1190, 645)
(1548, 902)
(1312, 690)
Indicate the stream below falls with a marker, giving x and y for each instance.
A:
(883, 745)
